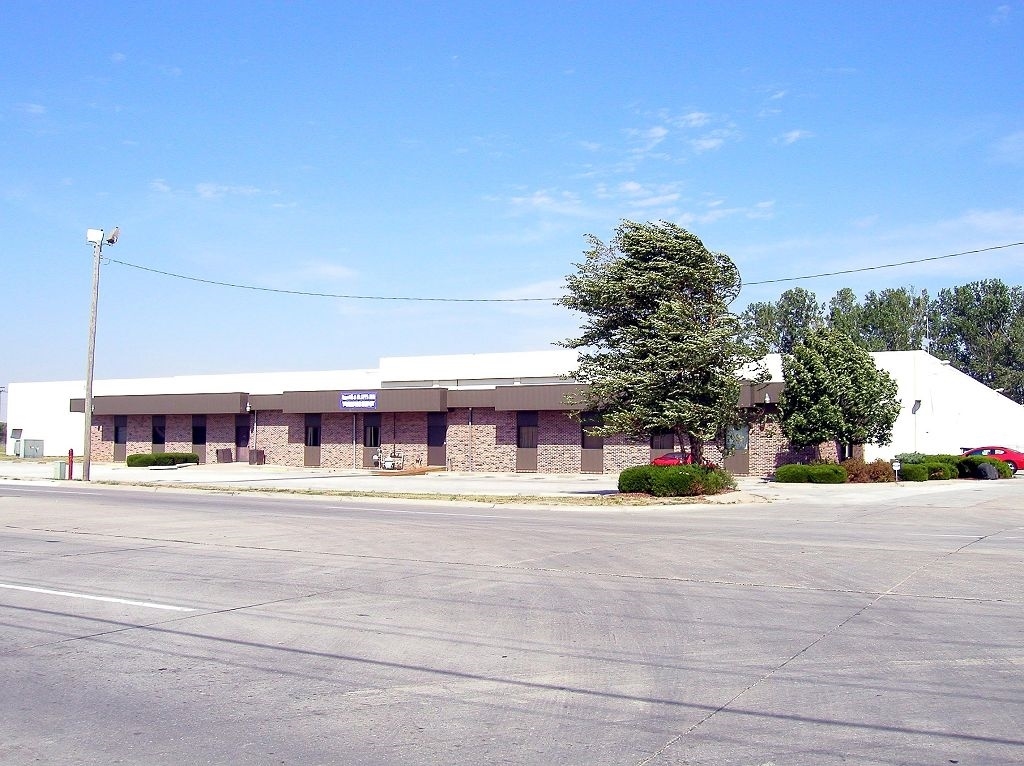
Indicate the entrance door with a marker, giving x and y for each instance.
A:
(737, 440)
(437, 437)
(120, 438)
(312, 452)
(591, 446)
(526, 440)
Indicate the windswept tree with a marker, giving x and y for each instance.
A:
(659, 347)
(835, 392)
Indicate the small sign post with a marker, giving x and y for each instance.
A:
(896, 468)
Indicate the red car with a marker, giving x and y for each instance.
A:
(1011, 457)
(678, 458)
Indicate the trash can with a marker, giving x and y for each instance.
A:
(60, 469)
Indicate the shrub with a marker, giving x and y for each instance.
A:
(675, 480)
(967, 466)
(910, 458)
(161, 458)
(794, 473)
(860, 472)
(913, 472)
(827, 473)
(636, 479)
(941, 470)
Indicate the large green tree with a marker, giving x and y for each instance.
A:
(894, 319)
(780, 325)
(979, 328)
(835, 392)
(659, 346)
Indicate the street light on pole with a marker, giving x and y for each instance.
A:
(95, 238)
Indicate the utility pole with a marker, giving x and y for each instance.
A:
(95, 238)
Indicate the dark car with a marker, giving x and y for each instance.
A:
(675, 458)
(1011, 457)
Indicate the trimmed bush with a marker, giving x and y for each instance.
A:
(794, 473)
(941, 470)
(967, 466)
(675, 480)
(913, 472)
(827, 473)
(161, 458)
(636, 479)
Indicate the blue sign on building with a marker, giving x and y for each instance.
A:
(357, 400)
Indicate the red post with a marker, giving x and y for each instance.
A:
(71, 464)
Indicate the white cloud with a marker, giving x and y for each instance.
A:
(1000, 15)
(1010, 149)
(548, 201)
(31, 108)
(159, 185)
(324, 270)
(707, 143)
(118, 58)
(216, 191)
(648, 138)
(691, 120)
(793, 136)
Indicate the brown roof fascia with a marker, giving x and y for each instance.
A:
(165, 404)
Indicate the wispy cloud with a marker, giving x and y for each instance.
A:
(118, 58)
(1010, 149)
(647, 138)
(216, 191)
(159, 185)
(319, 270)
(34, 109)
(792, 136)
(1000, 15)
(550, 201)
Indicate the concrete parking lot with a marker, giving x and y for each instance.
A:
(143, 626)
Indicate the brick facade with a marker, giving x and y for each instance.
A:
(488, 443)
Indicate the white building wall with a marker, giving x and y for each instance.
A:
(944, 410)
(42, 411)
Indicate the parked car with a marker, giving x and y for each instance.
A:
(1011, 457)
(678, 458)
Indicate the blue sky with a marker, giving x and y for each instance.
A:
(464, 150)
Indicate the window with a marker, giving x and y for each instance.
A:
(312, 430)
(241, 430)
(588, 441)
(120, 429)
(663, 440)
(526, 429)
(437, 428)
(371, 429)
(159, 429)
(199, 429)
(737, 438)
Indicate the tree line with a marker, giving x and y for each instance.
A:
(978, 327)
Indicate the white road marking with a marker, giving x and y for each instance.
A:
(110, 599)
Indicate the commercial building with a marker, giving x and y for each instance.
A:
(474, 412)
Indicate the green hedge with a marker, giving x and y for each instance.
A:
(913, 472)
(818, 473)
(161, 458)
(675, 480)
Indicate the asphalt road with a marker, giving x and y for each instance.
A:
(163, 627)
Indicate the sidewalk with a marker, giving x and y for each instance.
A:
(447, 484)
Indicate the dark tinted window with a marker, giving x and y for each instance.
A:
(199, 429)
(312, 430)
(526, 429)
(159, 429)
(371, 429)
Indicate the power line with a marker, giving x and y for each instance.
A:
(885, 265)
(528, 300)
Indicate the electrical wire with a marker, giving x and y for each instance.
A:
(528, 300)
